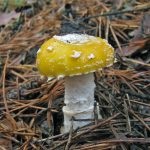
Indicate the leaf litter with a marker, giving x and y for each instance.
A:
(31, 107)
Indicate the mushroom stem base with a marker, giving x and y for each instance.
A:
(79, 100)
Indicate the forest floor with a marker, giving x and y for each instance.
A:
(31, 106)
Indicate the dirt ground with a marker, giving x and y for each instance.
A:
(31, 105)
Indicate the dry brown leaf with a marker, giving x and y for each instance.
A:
(133, 47)
(5, 144)
(118, 3)
(7, 17)
(139, 40)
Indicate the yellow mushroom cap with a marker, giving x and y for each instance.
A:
(73, 54)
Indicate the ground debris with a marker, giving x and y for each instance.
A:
(31, 105)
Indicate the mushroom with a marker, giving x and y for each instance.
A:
(75, 57)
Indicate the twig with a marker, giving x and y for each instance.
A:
(118, 12)
(136, 61)
(127, 116)
(116, 141)
(4, 75)
(96, 112)
(140, 119)
(70, 136)
(116, 39)
(89, 130)
(96, 126)
(143, 96)
(137, 102)
(118, 137)
(52, 137)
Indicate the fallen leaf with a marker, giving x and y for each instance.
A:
(134, 46)
(5, 144)
(138, 41)
(117, 4)
(144, 29)
(7, 17)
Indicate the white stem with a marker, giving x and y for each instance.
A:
(79, 100)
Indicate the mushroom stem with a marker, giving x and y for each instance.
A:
(79, 100)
